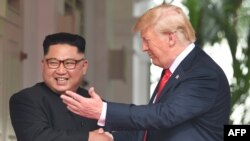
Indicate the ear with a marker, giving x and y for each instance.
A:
(85, 67)
(172, 38)
(43, 62)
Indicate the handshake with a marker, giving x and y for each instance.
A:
(100, 135)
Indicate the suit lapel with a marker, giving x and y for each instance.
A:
(173, 80)
(155, 91)
(178, 74)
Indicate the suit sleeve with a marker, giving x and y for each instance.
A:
(187, 99)
(30, 123)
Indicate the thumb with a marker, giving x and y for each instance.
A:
(92, 93)
(100, 130)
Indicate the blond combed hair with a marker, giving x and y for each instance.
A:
(166, 18)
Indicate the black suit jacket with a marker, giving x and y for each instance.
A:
(193, 106)
(38, 114)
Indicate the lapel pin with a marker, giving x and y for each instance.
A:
(177, 76)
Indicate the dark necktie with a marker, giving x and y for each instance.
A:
(162, 83)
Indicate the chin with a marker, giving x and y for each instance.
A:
(60, 90)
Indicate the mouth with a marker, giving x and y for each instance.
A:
(150, 56)
(61, 80)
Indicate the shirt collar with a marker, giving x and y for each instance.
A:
(181, 57)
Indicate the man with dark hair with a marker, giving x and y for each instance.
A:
(37, 113)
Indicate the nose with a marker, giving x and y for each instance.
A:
(61, 69)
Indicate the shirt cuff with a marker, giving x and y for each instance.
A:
(101, 121)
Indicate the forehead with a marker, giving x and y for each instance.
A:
(63, 51)
(148, 32)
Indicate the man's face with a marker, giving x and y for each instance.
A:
(61, 79)
(157, 47)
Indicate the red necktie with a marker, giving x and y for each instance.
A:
(163, 81)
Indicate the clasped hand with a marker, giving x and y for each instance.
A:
(100, 135)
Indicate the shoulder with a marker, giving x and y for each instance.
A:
(199, 60)
(29, 92)
(198, 65)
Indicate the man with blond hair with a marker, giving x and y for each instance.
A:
(194, 103)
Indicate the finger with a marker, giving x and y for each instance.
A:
(100, 130)
(74, 95)
(91, 91)
(69, 101)
(74, 110)
(109, 134)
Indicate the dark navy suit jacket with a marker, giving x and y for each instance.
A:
(38, 114)
(193, 106)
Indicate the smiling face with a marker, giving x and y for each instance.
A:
(61, 79)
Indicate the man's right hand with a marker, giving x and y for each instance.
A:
(85, 107)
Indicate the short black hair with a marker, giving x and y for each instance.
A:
(64, 38)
